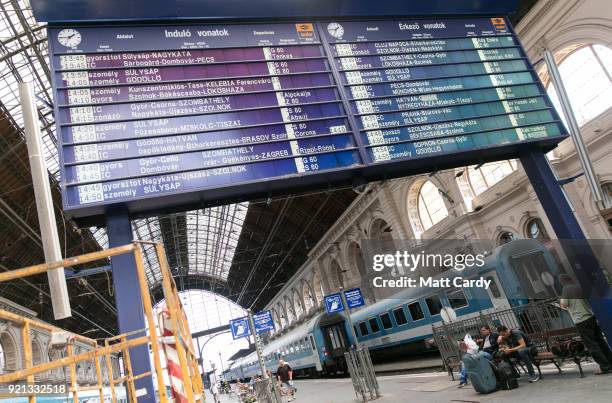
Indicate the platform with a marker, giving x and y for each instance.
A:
(436, 387)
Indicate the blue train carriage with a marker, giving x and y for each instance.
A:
(399, 326)
(298, 348)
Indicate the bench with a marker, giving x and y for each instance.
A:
(544, 341)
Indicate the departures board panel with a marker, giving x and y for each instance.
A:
(157, 117)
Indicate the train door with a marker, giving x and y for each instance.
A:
(496, 293)
(336, 340)
(315, 353)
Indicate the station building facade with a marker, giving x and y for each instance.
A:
(493, 201)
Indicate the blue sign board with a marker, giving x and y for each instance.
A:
(354, 299)
(240, 328)
(263, 322)
(333, 303)
(171, 117)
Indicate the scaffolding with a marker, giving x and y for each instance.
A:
(103, 350)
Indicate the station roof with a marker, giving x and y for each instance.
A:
(244, 251)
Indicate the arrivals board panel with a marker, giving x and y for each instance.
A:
(157, 117)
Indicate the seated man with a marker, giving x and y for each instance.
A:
(487, 345)
(519, 346)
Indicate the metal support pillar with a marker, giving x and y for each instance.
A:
(44, 203)
(201, 360)
(347, 311)
(262, 364)
(128, 298)
(585, 265)
(574, 129)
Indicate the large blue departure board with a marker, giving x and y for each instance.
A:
(158, 117)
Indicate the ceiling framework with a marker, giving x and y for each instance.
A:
(21, 245)
(275, 242)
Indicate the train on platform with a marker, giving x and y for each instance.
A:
(400, 326)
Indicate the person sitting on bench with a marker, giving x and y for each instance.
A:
(519, 347)
(487, 345)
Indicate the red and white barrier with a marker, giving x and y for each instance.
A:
(172, 360)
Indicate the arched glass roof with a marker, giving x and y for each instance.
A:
(200, 242)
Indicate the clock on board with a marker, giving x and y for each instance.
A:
(69, 37)
(336, 30)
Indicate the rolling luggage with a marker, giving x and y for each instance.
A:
(480, 373)
(506, 378)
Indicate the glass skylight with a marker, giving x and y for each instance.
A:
(212, 234)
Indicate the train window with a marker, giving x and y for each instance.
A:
(385, 318)
(433, 304)
(416, 311)
(493, 287)
(312, 343)
(363, 328)
(356, 330)
(374, 325)
(457, 299)
(400, 316)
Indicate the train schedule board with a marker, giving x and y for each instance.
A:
(163, 117)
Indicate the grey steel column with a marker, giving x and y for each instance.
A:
(348, 316)
(574, 129)
(262, 364)
(44, 202)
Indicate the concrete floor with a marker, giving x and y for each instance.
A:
(566, 387)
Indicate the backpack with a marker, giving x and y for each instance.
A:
(506, 379)
(480, 373)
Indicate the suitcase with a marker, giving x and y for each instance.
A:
(506, 378)
(480, 373)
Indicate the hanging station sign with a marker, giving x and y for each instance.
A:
(161, 117)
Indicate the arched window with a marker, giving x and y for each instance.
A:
(277, 324)
(309, 300)
(318, 287)
(297, 303)
(206, 310)
(290, 311)
(357, 261)
(282, 316)
(535, 230)
(2, 359)
(586, 72)
(8, 354)
(336, 274)
(506, 237)
(425, 207)
(607, 194)
(474, 180)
